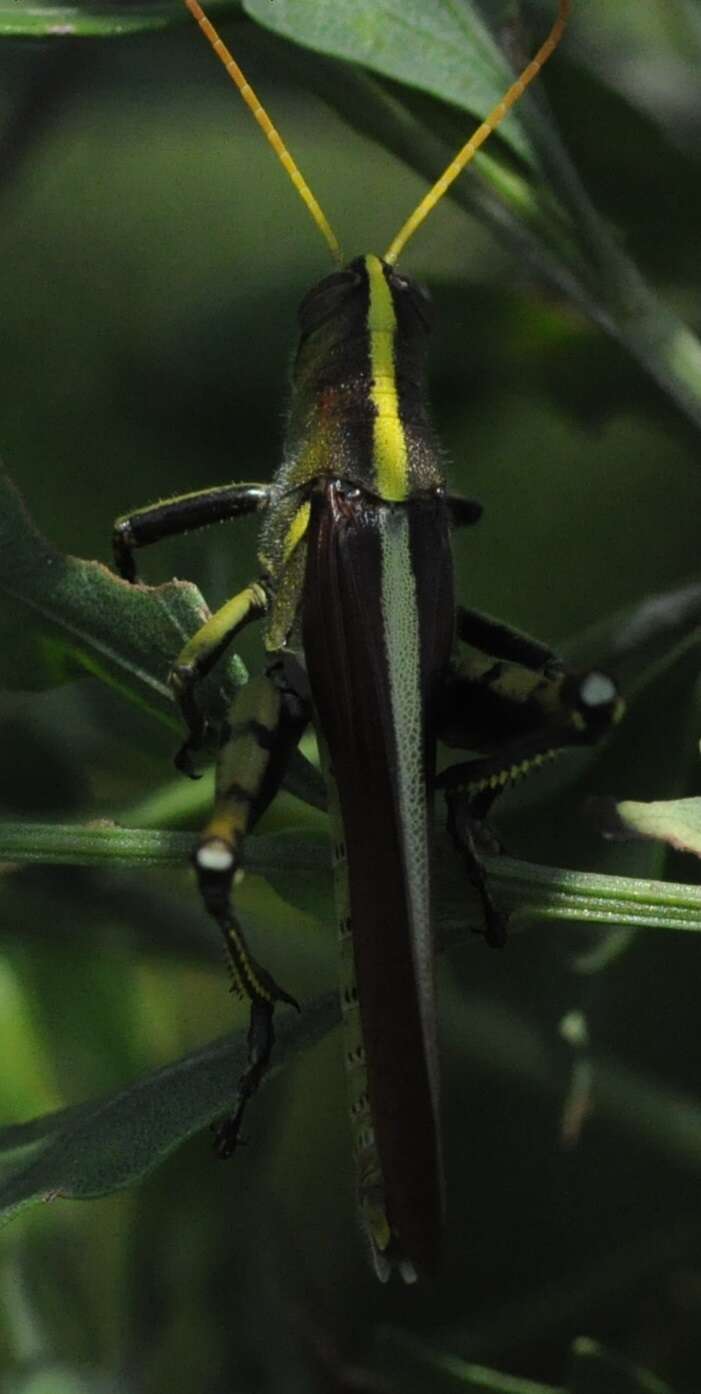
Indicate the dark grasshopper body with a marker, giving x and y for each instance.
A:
(362, 631)
(373, 705)
(364, 638)
(377, 626)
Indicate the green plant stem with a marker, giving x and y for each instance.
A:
(540, 892)
(529, 891)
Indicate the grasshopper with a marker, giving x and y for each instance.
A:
(364, 640)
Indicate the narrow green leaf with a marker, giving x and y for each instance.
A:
(61, 617)
(86, 19)
(59, 1379)
(448, 1372)
(109, 1144)
(530, 893)
(595, 1370)
(108, 845)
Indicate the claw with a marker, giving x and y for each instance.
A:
(496, 924)
(227, 1137)
(291, 1001)
(183, 762)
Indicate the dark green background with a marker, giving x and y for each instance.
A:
(151, 261)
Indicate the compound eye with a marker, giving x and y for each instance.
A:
(415, 295)
(327, 298)
(423, 294)
(596, 690)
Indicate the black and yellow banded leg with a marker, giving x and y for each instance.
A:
(266, 721)
(521, 718)
(183, 513)
(495, 707)
(538, 717)
(201, 653)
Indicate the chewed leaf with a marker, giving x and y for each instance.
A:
(675, 821)
(61, 617)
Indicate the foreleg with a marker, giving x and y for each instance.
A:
(185, 513)
(199, 656)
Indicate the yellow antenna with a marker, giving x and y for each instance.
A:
(267, 127)
(494, 119)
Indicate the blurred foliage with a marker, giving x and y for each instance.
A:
(153, 259)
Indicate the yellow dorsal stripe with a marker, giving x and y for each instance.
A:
(271, 134)
(490, 124)
(389, 442)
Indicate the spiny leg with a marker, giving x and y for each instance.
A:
(199, 656)
(495, 686)
(470, 789)
(184, 513)
(468, 833)
(254, 982)
(267, 718)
